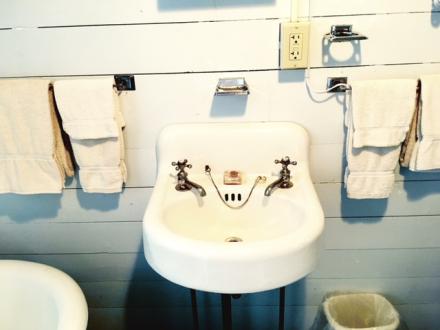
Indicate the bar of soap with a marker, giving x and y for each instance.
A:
(232, 178)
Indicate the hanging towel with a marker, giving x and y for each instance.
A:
(411, 138)
(382, 111)
(61, 154)
(33, 159)
(377, 118)
(370, 170)
(426, 154)
(92, 119)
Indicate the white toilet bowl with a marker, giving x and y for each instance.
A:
(39, 297)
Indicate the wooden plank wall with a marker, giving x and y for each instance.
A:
(178, 50)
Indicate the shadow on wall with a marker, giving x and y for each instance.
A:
(291, 76)
(435, 13)
(349, 53)
(26, 208)
(429, 188)
(194, 4)
(99, 202)
(153, 302)
(228, 106)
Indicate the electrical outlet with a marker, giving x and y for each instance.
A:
(294, 47)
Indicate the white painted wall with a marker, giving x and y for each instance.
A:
(178, 50)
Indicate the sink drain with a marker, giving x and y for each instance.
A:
(233, 239)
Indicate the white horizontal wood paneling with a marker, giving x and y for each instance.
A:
(362, 7)
(146, 318)
(387, 246)
(328, 164)
(387, 233)
(407, 199)
(83, 12)
(382, 32)
(376, 263)
(359, 233)
(73, 205)
(140, 48)
(308, 292)
(71, 238)
(55, 13)
(418, 316)
(96, 267)
(275, 96)
(210, 46)
(414, 198)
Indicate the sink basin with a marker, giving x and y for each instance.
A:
(200, 243)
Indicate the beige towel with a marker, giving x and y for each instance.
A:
(382, 111)
(61, 154)
(91, 117)
(411, 138)
(426, 154)
(32, 156)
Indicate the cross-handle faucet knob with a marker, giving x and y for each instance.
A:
(285, 162)
(183, 183)
(181, 165)
(284, 181)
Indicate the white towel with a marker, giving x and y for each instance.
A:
(376, 128)
(382, 111)
(370, 170)
(426, 154)
(92, 118)
(32, 156)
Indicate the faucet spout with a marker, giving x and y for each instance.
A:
(199, 188)
(274, 185)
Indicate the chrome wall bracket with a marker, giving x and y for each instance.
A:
(343, 33)
(232, 86)
(125, 82)
(334, 81)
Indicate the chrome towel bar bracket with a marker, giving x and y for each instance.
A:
(337, 85)
(343, 33)
(124, 82)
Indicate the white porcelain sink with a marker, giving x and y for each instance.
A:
(187, 237)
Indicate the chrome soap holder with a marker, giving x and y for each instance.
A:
(343, 33)
(232, 86)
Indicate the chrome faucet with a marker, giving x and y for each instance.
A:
(183, 184)
(284, 181)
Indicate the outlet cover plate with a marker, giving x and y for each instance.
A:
(294, 45)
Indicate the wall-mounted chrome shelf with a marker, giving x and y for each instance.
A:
(343, 33)
(232, 86)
